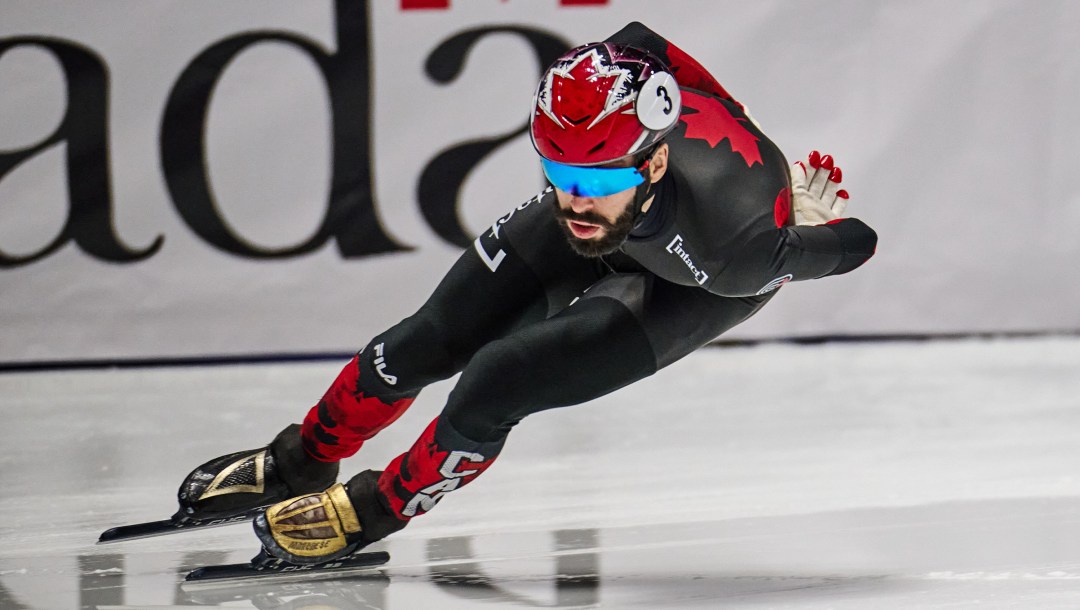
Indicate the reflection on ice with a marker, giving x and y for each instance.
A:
(575, 578)
(843, 559)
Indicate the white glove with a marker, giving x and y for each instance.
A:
(816, 195)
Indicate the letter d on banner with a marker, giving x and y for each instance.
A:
(351, 219)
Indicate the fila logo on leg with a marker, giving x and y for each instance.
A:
(380, 366)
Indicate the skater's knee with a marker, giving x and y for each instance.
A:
(491, 397)
(409, 356)
(479, 424)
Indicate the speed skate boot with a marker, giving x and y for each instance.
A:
(247, 481)
(321, 527)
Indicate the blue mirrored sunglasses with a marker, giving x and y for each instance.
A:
(591, 181)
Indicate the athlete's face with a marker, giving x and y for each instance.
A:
(596, 226)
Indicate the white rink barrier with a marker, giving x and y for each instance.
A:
(197, 178)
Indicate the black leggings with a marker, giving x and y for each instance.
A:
(531, 325)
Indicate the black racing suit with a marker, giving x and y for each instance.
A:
(531, 325)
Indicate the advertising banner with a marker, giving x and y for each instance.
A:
(208, 179)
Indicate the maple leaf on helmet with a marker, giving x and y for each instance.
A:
(601, 102)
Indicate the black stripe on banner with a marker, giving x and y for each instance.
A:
(239, 359)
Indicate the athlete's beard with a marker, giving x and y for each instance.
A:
(615, 233)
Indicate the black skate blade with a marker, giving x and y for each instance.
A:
(174, 525)
(265, 565)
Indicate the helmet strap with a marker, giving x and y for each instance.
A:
(643, 191)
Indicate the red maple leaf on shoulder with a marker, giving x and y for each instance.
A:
(714, 123)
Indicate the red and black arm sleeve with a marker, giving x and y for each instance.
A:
(687, 71)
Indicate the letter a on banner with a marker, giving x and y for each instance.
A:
(83, 131)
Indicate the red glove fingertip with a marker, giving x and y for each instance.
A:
(842, 193)
(815, 159)
(827, 162)
(836, 175)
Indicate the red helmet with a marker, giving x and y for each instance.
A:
(601, 102)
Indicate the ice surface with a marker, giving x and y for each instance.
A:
(890, 475)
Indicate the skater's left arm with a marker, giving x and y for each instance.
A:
(821, 243)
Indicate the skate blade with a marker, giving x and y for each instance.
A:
(174, 525)
(265, 565)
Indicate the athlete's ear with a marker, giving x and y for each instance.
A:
(658, 164)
